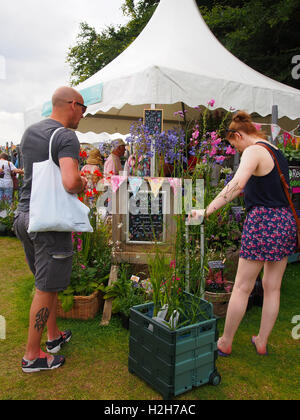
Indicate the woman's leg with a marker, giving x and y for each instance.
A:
(273, 273)
(246, 276)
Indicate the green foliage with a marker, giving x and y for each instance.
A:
(7, 218)
(263, 34)
(124, 292)
(160, 273)
(91, 263)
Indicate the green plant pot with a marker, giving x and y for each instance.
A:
(173, 361)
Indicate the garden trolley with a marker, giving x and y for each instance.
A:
(173, 361)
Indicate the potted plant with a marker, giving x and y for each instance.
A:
(289, 149)
(218, 291)
(173, 338)
(125, 294)
(91, 268)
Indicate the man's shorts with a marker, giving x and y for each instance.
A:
(49, 255)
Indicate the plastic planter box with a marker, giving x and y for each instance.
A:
(173, 362)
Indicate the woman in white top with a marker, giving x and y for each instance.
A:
(6, 182)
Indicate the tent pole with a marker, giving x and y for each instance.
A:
(274, 120)
(153, 158)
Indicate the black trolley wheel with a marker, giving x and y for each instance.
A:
(215, 378)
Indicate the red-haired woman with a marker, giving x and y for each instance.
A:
(269, 233)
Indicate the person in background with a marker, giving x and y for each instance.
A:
(112, 165)
(138, 164)
(269, 232)
(49, 254)
(8, 170)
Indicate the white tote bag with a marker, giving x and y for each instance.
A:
(52, 208)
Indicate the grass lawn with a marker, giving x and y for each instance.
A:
(96, 366)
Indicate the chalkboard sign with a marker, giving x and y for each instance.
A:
(142, 226)
(153, 120)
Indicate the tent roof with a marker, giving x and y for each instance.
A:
(176, 58)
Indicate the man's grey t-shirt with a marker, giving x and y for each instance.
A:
(35, 148)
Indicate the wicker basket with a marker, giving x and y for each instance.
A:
(85, 307)
(220, 302)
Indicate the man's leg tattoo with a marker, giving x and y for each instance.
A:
(41, 319)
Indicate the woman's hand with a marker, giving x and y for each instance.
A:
(197, 216)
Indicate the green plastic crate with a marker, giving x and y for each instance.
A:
(173, 362)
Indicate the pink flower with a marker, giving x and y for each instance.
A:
(213, 151)
(213, 135)
(220, 159)
(230, 151)
(211, 102)
(195, 134)
(83, 266)
(216, 142)
(173, 264)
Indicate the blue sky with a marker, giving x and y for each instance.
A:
(34, 39)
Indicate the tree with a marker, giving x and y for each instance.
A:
(264, 34)
(94, 51)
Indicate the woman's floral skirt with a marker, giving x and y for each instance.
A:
(269, 234)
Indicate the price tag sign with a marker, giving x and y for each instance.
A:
(217, 265)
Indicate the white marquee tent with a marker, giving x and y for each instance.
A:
(176, 59)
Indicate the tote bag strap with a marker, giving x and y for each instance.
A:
(50, 142)
(284, 183)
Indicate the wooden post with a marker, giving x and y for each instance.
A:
(274, 120)
(153, 158)
(108, 302)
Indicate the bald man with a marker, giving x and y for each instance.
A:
(49, 254)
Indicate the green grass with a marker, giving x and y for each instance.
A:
(96, 366)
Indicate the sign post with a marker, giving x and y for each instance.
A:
(153, 120)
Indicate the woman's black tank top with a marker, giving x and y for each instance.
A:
(267, 190)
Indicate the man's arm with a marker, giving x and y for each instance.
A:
(72, 181)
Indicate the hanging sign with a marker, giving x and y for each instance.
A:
(275, 129)
(155, 184)
(135, 184)
(153, 120)
(116, 181)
